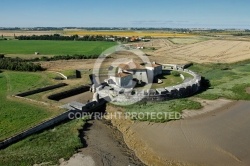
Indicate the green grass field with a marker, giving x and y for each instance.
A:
(227, 80)
(44, 47)
(169, 107)
(46, 147)
(168, 80)
(17, 115)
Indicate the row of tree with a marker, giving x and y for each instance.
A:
(75, 38)
(65, 57)
(53, 58)
(18, 64)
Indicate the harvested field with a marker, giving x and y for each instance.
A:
(87, 63)
(26, 33)
(214, 51)
(211, 51)
(128, 33)
(189, 40)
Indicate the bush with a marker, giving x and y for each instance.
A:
(18, 64)
(175, 73)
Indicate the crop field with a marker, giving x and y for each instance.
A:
(46, 147)
(53, 47)
(129, 33)
(16, 115)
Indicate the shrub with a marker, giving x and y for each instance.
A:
(175, 73)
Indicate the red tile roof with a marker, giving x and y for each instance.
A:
(131, 66)
(122, 74)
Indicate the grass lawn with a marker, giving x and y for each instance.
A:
(44, 47)
(17, 115)
(168, 80)
(46, 147)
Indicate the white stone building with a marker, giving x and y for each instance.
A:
(130, 72)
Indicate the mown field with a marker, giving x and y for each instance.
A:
(53, 47)
(17, 115)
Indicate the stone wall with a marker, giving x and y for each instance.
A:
(39, 90)
(68, 93)
(34, 129)
(92, 106)
(185, 89)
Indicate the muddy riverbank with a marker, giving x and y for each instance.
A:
(104, 146)
(219, 137)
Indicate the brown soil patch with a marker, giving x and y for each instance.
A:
(248, 90)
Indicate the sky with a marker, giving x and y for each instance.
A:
(126, 13)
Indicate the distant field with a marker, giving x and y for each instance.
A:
(129, 33)
(16, 115)
(54, 47)
(189, 40)
(207, 51)
(11, 33)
